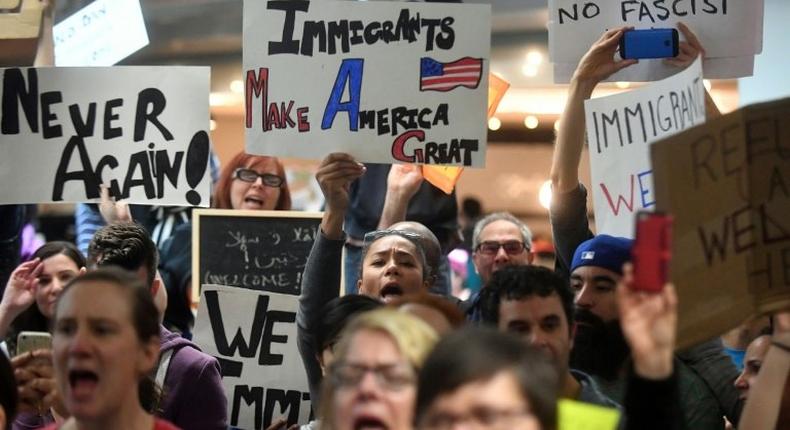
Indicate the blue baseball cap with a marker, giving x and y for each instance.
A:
(604, 251)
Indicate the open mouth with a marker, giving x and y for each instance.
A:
(390, 292)
(253, 202)
(82, 382)
(369, 423)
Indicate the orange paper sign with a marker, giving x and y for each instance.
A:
(445, 177)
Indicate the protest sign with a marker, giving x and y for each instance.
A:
(253, 335)
(385, 82)
(100, 34)
(654, 70)
(142, 131)
(258, 250)
(725, 29)
(620, 129)
(727, 184)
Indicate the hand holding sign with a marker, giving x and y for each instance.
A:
(335, 175)
(113, 211)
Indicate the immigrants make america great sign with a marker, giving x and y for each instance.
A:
(385, 82)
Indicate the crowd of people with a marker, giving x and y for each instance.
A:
(397, 351)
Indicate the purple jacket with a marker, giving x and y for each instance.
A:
(193, 393)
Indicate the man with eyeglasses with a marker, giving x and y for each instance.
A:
(499, 240)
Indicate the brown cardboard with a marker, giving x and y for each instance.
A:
(20, 22)
(730, 176)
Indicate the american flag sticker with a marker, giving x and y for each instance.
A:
(438, 76)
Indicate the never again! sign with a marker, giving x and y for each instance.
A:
(142, 131)
(385, 82)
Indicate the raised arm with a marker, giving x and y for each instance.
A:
(45, 52)
(403, 182)
(596, 65)
(649, 324)
(568, 212)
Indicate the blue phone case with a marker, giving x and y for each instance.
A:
(652, 43)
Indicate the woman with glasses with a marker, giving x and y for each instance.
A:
(252, 182)
(373, 381)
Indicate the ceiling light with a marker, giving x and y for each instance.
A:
(212, 125)
(529, 70)
(622, 85)
(531, 122)
(534, 58)
(707, 83)
(494, 124)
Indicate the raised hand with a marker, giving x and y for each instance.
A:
(335, 175)
(689, 50)
(20, 290)
(599, 62)
(649, 323)
(404, 180)
(111, 210)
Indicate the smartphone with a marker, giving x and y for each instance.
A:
(651, 43)
(32, 340)
(652, 251)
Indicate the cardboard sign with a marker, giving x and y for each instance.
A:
(385, 82)
(143, 131)
(620, 129)
(726, 29)
(253, 335)
(258, 250)
(100, 34)
(727, 183)
(20, 19)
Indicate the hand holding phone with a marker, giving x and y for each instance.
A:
(29, 341)
(650, 43)
(652, 251)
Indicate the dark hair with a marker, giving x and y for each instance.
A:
(336, 314)
(145, 317)
(242, 159)
(8, 395)
(31, 319)
(127, 245)
(476, 354)
(471, 207)
(518, 282)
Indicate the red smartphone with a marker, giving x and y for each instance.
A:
(652, 251)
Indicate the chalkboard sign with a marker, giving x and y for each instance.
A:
(257, 250)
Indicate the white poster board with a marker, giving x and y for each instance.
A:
(725, 28)
(253, 335)
(620, 129)
(100, 34)
(385, 82)
(142, 131)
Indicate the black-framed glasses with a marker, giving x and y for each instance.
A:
(391, 377)
(249, 175)
(511, 247)
(375, 235)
